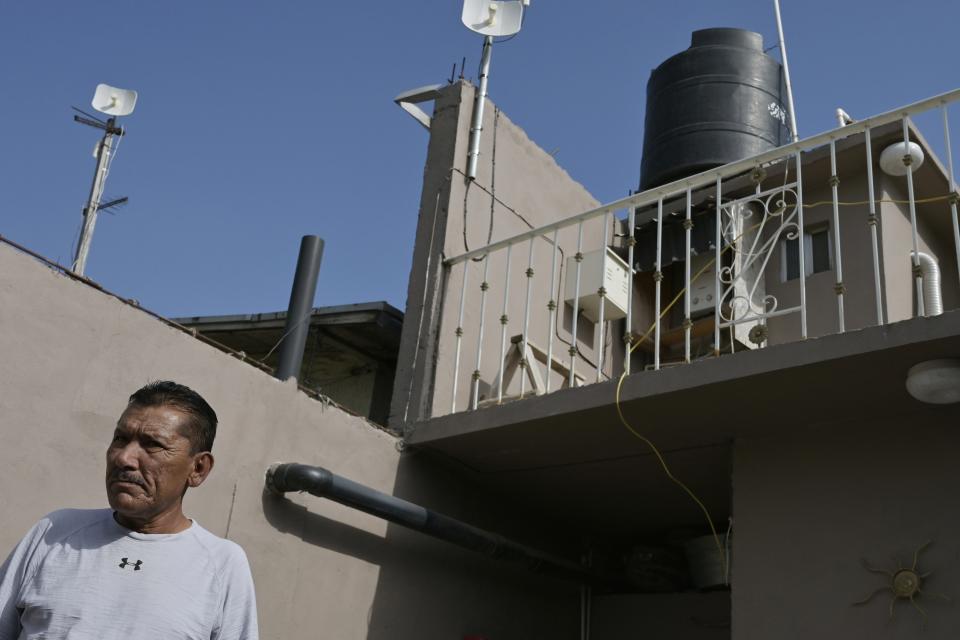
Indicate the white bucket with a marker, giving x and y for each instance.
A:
(705, 562)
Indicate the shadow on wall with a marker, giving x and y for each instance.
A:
(431, 589)
(288, 517)
(446, 592)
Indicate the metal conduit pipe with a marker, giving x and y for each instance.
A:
(932, 295)
(282, 478)
(476, 121)
(300, 308)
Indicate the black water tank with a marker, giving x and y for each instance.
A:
(721, 100)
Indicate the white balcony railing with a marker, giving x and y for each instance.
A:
(759, 297)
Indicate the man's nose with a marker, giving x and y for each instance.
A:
(127, 456)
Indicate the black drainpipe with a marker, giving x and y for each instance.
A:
(300, 308)
(282, 478)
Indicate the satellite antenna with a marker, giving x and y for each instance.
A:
(489, 18)
(493, 17)
(113, 102)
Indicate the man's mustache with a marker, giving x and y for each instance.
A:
(128, 476)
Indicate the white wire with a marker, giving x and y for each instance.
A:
(114, 150)
(726, 551)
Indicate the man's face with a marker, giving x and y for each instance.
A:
(149, 462)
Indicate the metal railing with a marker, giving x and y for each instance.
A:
(757, 208)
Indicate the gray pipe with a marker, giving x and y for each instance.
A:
(300, 308)
(282, 478)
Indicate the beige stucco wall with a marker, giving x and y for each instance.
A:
(855, 251)
(72, 354)
(354, 392)
(531, 191)
(690, 615)
(522, 187)
(807, 508)
(894, 240)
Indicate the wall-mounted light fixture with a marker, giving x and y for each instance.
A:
(935, 381)
(892, 158)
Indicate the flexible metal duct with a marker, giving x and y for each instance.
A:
(932, 295)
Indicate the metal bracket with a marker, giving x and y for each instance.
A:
(408, 101)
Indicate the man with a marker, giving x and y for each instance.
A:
(140, 569)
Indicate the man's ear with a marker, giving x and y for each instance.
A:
(202, 466)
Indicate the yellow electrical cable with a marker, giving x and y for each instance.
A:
(647, 441)
(849, 203)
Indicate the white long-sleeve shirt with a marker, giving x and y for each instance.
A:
(78, 574)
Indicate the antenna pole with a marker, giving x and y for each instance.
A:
(786, 72)
(104, 150)
(476, 124)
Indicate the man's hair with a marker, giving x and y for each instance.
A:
(203, 419)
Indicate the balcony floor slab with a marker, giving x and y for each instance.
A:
(568, 450)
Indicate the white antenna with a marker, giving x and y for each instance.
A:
(489, 18)
(114, 102)
(786, 72)
(493, 17)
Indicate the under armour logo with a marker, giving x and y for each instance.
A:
(124, 563)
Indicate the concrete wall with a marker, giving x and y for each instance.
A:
(72, 354)
(856, 250)
(690, 615)
(856, 253)
(354, 392)
(807, 508)
(518, 187)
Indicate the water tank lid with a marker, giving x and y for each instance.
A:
(727, 37)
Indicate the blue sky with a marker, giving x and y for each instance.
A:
(259, 122)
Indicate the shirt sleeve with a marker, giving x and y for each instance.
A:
(238, 613)
(14, 573)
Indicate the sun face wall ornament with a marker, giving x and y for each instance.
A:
(905, 584)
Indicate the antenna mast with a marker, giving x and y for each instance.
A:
(786, 72)
(476, 122)
(489, 18)
(113, 102)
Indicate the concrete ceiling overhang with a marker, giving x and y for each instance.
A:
(567, 453)
(342, 338)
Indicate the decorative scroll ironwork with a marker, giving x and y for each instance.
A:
(752, 229)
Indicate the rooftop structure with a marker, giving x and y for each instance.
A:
(351, 352)
(782, 409)
(596, 388)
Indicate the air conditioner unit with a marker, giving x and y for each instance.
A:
(601, 268)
